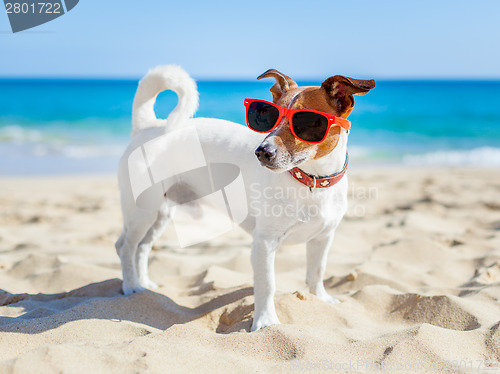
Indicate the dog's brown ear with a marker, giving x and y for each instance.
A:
(340, 89)
(283, 83)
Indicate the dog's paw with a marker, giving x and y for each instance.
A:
(330, 299)
(131, 289)
(324, 296)
(149, 284)
(264, 321)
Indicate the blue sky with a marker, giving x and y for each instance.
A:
(394, 39)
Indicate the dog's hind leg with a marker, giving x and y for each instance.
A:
(146, 244)
(317, 256)
(119, 242)
(133, 234)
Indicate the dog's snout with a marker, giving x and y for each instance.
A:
(265, 153)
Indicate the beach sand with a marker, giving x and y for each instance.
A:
(415, 263)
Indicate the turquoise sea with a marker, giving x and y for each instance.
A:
(82, 126)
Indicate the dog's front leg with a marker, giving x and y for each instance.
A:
(263, 254)
(317, 256)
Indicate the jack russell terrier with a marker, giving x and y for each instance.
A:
(295, 158)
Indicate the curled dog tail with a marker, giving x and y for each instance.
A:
(161, 78)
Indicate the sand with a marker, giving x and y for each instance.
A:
(416, 265)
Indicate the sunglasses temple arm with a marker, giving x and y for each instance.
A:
(344, 123)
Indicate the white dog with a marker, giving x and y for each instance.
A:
(294, 170)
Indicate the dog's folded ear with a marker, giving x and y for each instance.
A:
(340, 89)
(283, 83)
(348, 86)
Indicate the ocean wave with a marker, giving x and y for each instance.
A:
(90, 151)
(22, 142)
(18, 135)
(359, 152)
(59, 142)
(482, 156)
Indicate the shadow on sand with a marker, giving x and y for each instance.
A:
(104, 300)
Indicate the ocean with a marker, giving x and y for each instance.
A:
(67, 126)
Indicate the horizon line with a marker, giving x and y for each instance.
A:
(242, 79)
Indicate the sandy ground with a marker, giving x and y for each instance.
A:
(416, 264)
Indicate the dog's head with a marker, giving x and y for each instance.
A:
(282, 151)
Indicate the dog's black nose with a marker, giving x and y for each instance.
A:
(265, 153)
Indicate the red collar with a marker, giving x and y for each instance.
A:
(312, 181)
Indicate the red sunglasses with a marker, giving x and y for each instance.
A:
(307, 125)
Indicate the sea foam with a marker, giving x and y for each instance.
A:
(482, 156)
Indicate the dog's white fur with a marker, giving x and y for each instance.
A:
(311, 216)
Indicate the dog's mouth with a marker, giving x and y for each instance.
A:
(280, 159)
(273, 168)
(284, 167)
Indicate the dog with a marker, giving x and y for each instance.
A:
(278, 168)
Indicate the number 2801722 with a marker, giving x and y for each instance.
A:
(24, 8)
